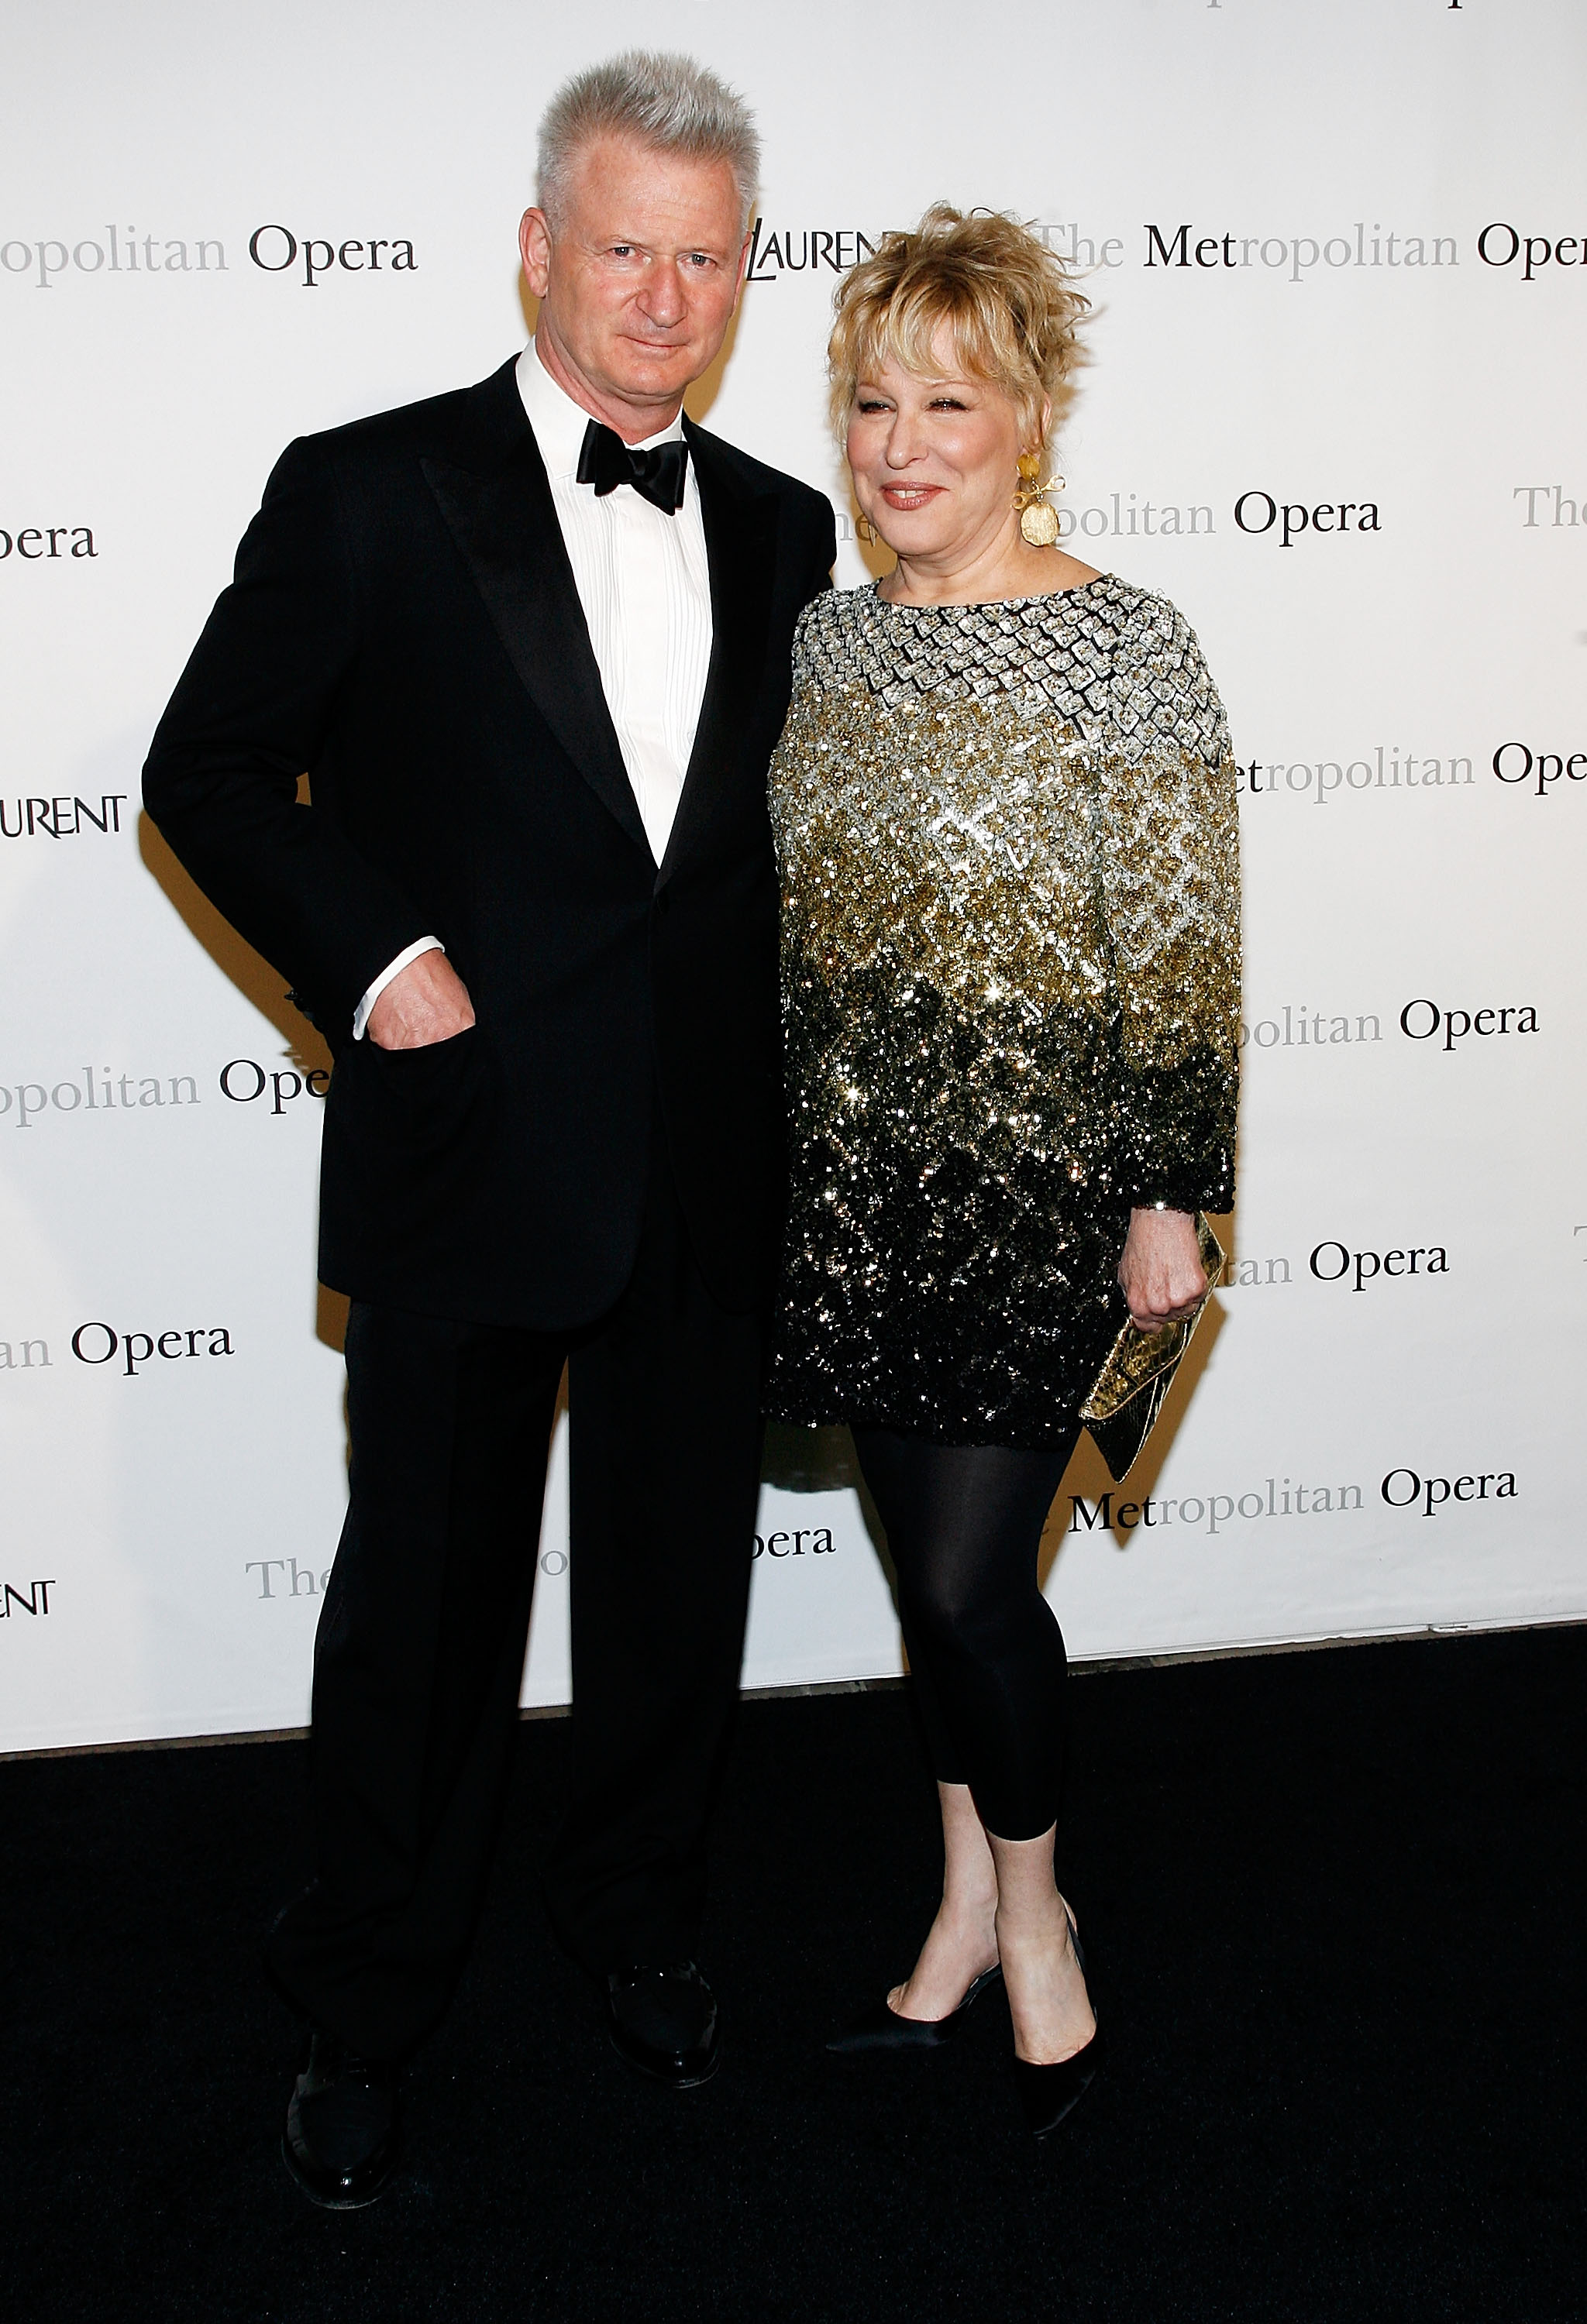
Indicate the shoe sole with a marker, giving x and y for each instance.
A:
(655, 2074)
(1058, 2120)
(332, 2202)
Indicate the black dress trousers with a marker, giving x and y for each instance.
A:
(419, 1649)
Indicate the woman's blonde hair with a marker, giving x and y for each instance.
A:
(1012, 308)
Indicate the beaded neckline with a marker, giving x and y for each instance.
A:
(990, 604)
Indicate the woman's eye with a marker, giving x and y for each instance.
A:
(870, 404)
(946, 403)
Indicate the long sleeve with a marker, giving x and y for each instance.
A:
(1169, 853)
(250, 713)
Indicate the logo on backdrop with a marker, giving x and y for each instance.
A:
(243, 1080)
(1117, 516)
(1517, 762)
(278, 251)
(24, 1103)
(1500, 245)
(273, 248)
(1380, 770)
(1242, 1274)
(120, 250)
(1258, 512)
(1424, 1020)
(1128, 515)
(1402, 1488)
(283, 1577)
(1564, 512)
(25, 1356)
(61, 818)
(1073, 248)
(1295, 257)
(1335, 1262)
(1309, 1029)
(1331, 1262)
(28, 1598)
(779, 250)
(37, 544)
(101, 1344)
(1210, 1512)
(792, 1544)
(776, 251)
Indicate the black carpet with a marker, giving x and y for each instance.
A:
(1334, 1905)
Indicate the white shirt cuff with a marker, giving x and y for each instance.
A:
(395, 968)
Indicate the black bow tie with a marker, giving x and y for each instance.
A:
(657, 475)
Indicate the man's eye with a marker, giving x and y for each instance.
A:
(622, 250)
(699, 258)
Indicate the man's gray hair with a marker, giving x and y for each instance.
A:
(664, 101)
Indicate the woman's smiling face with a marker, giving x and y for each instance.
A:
(934, 455)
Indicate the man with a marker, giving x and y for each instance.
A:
(531, 643)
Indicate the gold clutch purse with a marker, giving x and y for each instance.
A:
(1132, 1386)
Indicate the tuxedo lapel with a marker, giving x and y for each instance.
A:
(741, 549)
(502, 519)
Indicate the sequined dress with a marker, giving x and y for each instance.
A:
(1008, 845)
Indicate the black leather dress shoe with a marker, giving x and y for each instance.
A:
(882, 2027)
(341, 2136)
(663, 2022)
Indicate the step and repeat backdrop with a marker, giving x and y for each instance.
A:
(1339, 261)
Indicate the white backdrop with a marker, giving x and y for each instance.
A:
(1335, 270)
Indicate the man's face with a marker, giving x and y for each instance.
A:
(638, 279)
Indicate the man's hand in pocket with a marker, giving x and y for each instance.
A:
(428, 1001)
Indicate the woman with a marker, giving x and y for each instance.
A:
(1005, 811)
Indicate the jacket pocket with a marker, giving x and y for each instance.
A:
(408, 1136)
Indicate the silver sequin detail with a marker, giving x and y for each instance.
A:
(1011, 972)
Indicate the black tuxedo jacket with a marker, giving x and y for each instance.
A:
(404, 627)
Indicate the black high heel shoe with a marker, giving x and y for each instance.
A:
(882, 2028)
(1047, 2093)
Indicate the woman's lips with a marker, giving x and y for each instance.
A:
(910, 496)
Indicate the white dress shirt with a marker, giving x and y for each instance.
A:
(645, 586)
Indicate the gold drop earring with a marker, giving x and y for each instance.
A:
(1038, 523)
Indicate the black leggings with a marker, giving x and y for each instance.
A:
(964, 1525)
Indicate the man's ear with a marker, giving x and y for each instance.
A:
(534, 244)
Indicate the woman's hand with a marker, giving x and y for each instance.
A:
(1161, 1271)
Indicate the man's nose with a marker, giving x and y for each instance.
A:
(664, 298)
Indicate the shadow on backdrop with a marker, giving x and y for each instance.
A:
(303, 1048)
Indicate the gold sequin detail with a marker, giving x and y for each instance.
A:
(1010, 977)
